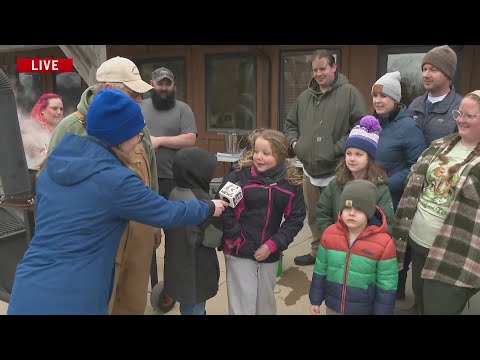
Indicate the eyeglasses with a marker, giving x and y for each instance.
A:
(134, 95)
(141, 135)
(456, 115)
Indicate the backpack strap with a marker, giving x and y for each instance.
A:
(80, 118)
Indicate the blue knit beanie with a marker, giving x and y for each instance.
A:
(114, 117)
(365, 135)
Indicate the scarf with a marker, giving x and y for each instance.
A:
(273, 175)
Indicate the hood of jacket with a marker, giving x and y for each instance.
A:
(193, 168)
(340, 80)
(85, 100)
(70, 162)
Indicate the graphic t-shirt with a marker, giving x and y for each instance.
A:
(437, 196)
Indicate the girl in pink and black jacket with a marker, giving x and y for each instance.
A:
(254, 234)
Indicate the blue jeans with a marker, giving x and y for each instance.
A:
(192, 309)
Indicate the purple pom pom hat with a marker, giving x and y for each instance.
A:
(365, 135)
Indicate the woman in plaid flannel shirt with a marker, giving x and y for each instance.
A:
(439, 215)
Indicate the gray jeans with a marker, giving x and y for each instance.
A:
(250, 286)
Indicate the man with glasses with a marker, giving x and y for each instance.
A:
(433, 110)
(133, 260)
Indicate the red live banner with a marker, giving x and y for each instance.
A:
(44, 65)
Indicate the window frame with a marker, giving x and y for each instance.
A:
(222, 56)
(282, 114)
(384, 51)
(55, 90)
(154, 60)
(43, 90)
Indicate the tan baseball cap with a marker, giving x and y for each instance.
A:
(123, 70)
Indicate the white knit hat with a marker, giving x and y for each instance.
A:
(389, 84)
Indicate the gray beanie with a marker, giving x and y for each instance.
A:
(389, 84)
(443, 58)
(360, 194)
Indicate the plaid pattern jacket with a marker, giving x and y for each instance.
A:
(455, 254)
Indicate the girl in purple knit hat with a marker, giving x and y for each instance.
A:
(358, 163)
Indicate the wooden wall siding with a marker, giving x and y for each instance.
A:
(471, 69)
(361, 72)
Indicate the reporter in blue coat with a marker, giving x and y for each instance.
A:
(85, 197)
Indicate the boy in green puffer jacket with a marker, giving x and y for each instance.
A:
(356, 267)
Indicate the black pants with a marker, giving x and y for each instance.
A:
(434, 297)
(402, 275)
(419, 256)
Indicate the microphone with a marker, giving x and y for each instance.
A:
(231, 193)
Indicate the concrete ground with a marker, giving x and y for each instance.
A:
(291, 290)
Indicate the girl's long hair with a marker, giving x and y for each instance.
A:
(278, 142)
(374, 172)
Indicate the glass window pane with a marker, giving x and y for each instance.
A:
(231, 92)
(408, 60)
(29, 90)
(177, 66)
(409, 65)
(296, 73)
(69, 87)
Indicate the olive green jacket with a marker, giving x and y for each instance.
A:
(71, 124)
(319, 123)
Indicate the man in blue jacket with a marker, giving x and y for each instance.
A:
(433, 110)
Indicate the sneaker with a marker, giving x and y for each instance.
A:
(304, 260)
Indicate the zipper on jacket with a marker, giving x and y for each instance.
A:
(344, 285)
(268, 213)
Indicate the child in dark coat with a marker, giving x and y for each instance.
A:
(262, 225)
(191, 264)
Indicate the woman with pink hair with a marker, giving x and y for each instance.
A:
(37, 131)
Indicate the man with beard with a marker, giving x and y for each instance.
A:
(172, 127)
(171, 123)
